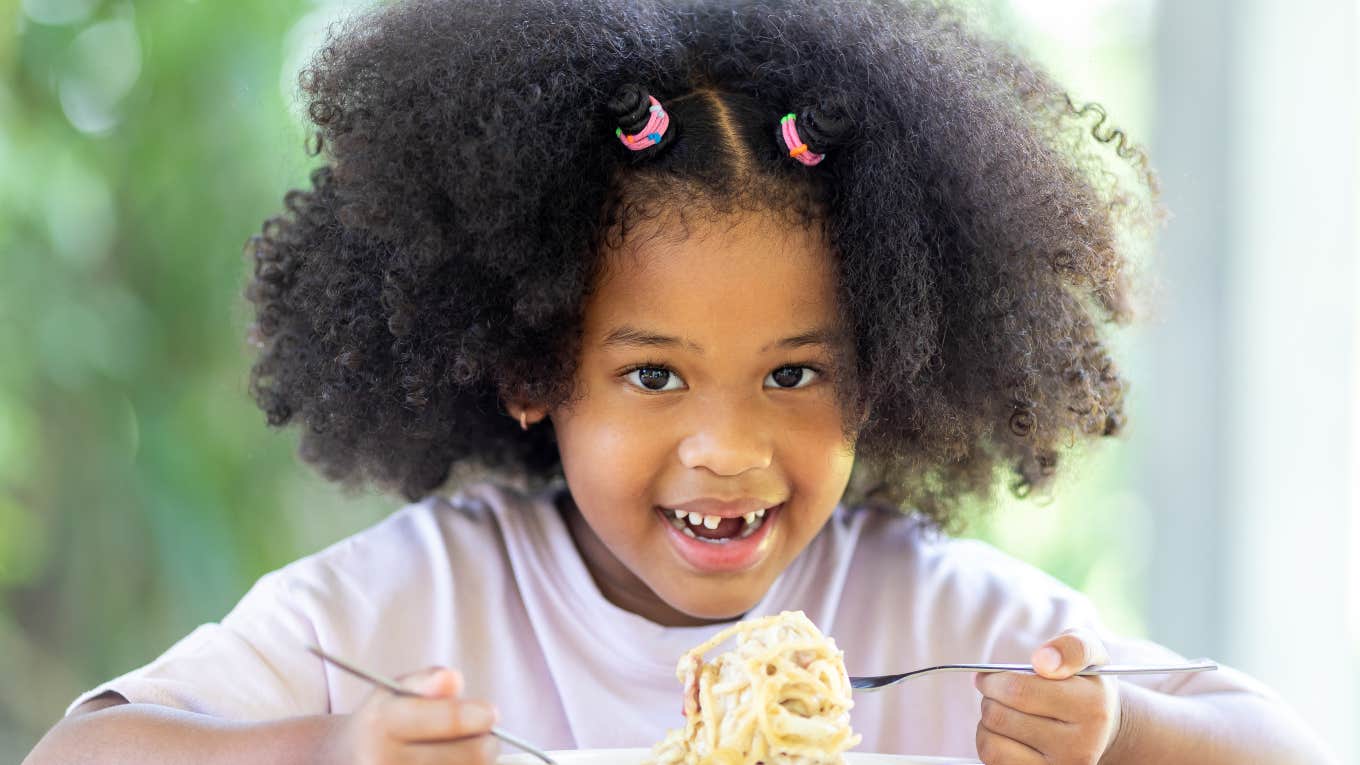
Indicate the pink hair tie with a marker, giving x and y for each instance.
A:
(651, 134)
(797, 148)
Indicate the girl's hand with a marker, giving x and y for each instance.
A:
(440, 728)
(1051, 718)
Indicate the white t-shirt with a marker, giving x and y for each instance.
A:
(489, 581)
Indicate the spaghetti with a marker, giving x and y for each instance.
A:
(780, 697)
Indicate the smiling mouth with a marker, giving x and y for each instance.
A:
(714, 529)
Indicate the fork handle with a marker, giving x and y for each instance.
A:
(1198, 665)
(392, 686)
(883, 681)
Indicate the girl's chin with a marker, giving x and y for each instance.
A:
(718, 607)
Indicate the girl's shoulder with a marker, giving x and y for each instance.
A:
(435, 536)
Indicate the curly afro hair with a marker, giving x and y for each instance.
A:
(472, 177)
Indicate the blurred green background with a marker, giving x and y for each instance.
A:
(140, 491)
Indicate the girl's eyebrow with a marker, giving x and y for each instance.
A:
(627, 336)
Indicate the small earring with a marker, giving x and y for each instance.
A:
(523, 421)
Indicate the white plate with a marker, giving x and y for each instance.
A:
(636, 756)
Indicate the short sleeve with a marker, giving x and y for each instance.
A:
(252, 666)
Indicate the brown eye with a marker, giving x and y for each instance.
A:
(653, 378)
(793, 377)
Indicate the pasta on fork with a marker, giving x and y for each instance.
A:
(781, 696)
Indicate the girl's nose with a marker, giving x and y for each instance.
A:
(726, 443)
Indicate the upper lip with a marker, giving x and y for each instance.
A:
(723, 508)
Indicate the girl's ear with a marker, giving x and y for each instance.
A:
(527, 414)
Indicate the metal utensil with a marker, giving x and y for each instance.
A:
(883, 681)
(400, 691)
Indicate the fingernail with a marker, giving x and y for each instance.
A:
(1048, 659)
(476, 715)
(439, 682)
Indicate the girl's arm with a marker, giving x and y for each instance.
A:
(1238, 728)
(435, 725)
(1057, 716)
(118, 733)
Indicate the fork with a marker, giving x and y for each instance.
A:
(400, 691)
(883, 681)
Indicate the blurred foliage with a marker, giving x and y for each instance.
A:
(140, 491)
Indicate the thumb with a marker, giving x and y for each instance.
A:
(1069, 653)
(434, 682)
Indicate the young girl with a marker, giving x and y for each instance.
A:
(710, 310)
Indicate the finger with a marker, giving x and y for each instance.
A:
(995, 749)
(433, 681)
(1059, 699)
(478, 750)
(1068, 653)
(411, 718)
(1044, 734)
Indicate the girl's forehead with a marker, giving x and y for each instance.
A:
(666, 253)
(746, 276)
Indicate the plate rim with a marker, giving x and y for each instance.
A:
(516, 757)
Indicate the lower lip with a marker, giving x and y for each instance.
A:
(733, 555)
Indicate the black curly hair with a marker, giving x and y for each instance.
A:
(472, 178)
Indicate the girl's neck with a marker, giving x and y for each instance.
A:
(616, 582)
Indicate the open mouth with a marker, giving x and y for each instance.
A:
(715, 529)
(717, 545)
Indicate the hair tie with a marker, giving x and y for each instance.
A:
(797, 148)
(650, 135)
(810, 132)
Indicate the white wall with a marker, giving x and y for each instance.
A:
(1253, 448)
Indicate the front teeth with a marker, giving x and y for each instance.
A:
(683, 520)
(712, 521)
(696, 519)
